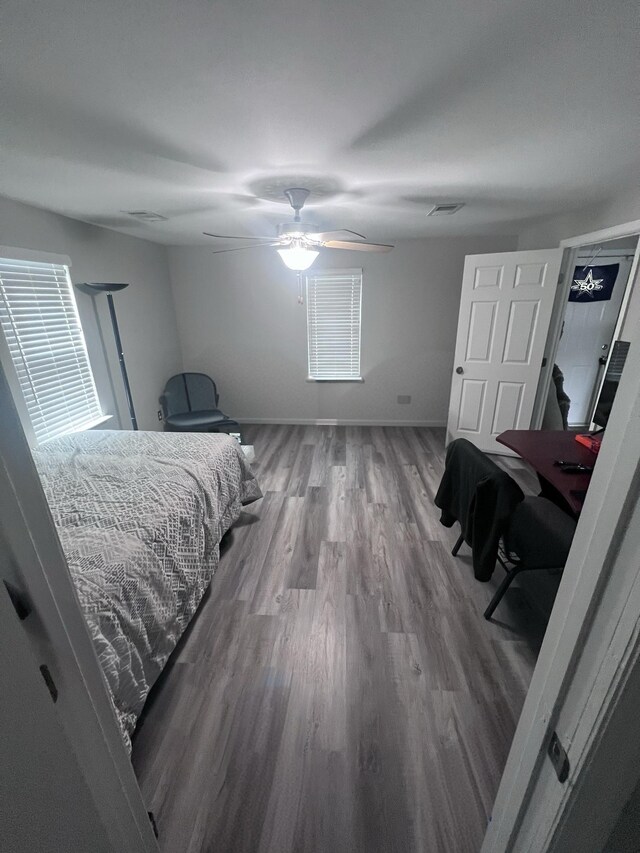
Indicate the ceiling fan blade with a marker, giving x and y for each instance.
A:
(233, 237)
(356, 246)
(242, 248)
(323, 236)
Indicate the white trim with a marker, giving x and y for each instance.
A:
(8, 367)
(30, 548)
(94, 424)
(54, 400)
(530, 800)
(322, 338)
(339, 422)
(553, 337)
(632, 281)
(627, 229)
(326, 379)
(569, 259)
(31, 255)
(604, 255)
(336, 271)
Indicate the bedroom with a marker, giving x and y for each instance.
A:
(193, 114)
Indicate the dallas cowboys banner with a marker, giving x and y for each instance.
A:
(593, 284)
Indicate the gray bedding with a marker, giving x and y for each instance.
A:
(140, 516)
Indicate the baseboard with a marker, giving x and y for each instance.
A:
(338, 422)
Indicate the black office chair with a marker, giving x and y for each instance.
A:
(538, 536)
(190, 404)
(498, 521)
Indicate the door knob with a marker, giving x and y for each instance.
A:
(459, 370)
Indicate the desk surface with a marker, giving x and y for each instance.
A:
(540, 448)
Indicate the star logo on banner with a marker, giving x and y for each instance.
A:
(587, 285)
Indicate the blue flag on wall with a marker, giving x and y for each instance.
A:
(593, 284)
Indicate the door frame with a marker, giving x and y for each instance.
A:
(521, 816)
(572, 245)
(619, 299)
(32, 560)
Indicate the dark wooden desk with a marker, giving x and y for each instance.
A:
(541, 448)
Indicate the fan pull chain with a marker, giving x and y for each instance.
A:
(300, 296)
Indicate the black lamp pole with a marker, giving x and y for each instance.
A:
(110, 287)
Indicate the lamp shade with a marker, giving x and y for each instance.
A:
(93, 287)
(298, 257)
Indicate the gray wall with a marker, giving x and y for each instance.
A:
(547, 232)
(239, 321)
(145, 309)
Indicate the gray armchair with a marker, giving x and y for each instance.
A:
(190, 404)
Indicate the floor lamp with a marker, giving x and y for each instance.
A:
(110, 287)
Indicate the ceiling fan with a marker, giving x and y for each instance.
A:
(298, 242)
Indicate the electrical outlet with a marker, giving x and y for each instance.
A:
(404, 399)
(159, 415)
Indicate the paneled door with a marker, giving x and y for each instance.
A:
(505, 310)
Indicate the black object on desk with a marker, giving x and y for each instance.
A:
(541, 448)
(573, 467)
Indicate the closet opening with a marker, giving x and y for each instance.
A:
(590, 335)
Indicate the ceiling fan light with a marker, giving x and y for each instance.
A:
(298, 257)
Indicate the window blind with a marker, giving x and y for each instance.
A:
(41, 326)
(334, 302)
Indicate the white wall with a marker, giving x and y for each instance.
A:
(145, 310)
(239, 321)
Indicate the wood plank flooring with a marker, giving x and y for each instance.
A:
(339, 689)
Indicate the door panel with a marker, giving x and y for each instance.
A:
(507, 408)
(487, 276)
(521, 330)
(481, 329)
(505, 309)
(471, 405)
(531, 274)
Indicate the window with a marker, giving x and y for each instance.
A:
(41, 326)
(334, 301)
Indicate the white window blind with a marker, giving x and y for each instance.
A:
(334, 302)
(41, 326)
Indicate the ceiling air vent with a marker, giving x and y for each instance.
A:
(146, 215)
(445, 209)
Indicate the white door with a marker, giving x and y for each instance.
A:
(585, 686)
(74, 742)
(587, 335)
(46, 803)
(505, 309)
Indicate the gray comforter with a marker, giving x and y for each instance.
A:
(140, 516)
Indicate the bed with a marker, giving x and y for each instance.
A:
(140, 516)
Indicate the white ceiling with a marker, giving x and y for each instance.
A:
(189, 108)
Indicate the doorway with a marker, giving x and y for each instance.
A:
(593, 304)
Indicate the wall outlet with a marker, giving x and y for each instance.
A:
(404, 399)
(159, 415)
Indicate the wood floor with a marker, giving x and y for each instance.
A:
(339, 689)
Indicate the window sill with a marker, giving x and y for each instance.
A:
(92, 424)
(89, 425)
(358, 379)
